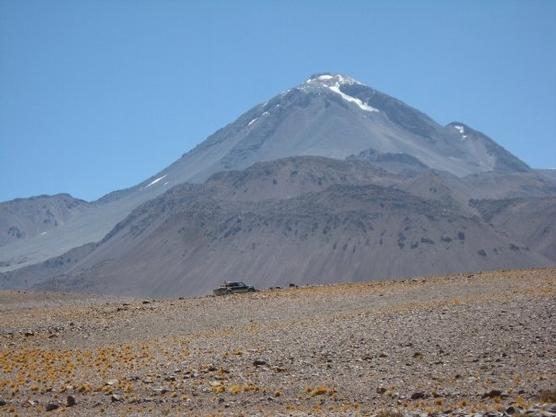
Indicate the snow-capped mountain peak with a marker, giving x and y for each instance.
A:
(334, 83)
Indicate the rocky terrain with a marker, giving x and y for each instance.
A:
(472, 344)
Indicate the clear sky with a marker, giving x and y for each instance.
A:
(99, 95)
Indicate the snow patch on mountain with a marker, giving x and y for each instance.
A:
(333, 83)
(155, 181)
(329, 79)
(325, 77)
(461, 130)
(351, 99)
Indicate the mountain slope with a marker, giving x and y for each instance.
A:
(279, 179)
(345, 233)
(500, 185)
(531, 221)
(549, 174)
(307, 220)
(31, 275)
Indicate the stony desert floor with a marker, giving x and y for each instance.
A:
(462, 344)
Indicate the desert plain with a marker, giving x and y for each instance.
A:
(464, 344)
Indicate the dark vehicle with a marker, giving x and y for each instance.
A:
(235, 287)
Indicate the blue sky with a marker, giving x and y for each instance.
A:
(99, 95)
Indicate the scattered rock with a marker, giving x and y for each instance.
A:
(70, 401)
(2, 402)
(492, 394)
(259, 362)
(161, 390)
(51, 406)
(418, 396)
(116, 398)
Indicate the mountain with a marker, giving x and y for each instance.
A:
(329, 115)
(24, 218)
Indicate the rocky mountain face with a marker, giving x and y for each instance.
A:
(299, 219)
(298, 188)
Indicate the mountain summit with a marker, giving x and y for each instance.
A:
(334, 84)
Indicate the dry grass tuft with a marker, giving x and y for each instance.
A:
(239, 388)
(547, 396)
(320, 390)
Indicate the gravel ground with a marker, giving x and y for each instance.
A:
(457, 345)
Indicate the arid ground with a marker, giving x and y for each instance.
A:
(454, 345)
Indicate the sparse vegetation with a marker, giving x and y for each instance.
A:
(320, 390)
